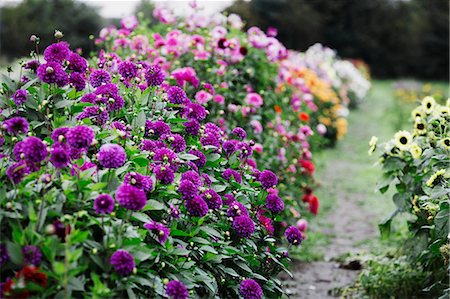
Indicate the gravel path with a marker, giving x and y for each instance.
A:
(350, 177)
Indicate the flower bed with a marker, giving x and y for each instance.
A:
(171, 167)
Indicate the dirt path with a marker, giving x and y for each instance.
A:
(349, 178)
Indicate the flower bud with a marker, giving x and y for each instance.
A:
(58, 34)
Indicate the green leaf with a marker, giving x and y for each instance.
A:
(59, 268)
(31, 212)
(385, 225)
(141, 217)
(14, 252)
(188, 157)
(78, 236)
(442, 221)
(153, 205)
(141, 161)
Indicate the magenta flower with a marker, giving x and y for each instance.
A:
(111, 155)
(123, 262)
(159, 230)
(104, 204)
(250, 289)
(130, 197)
(176, 290)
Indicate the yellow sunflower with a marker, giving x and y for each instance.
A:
(418, 112)
(445, 143)
(416, 151)
(436, 178)
(402, 140)
(428, 104)
(419, 127)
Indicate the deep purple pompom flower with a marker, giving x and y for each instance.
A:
(176, 95)
(78, 80)
(244, 226)
(122, 261)
(158, 229)
(250, 289)
(80, 137)
(34, 149)
(174, 211)
(187, 189)
(32, 65)
(20, 96)
(213, 200)
(176, 290)
(77, 63)
(192, 127)
(211, 139)
(229, 199)
(4, 256)
(229, 146)
(99, 77)
(59, 156)
(52, 72)
(130, 197)
(164, 174)
(165, 155)
(268, 179)
(293, 235)
(154, 75)
(201, 161)
(57, 52)
(236, 209)
(176, 141)
(138, 180)
(195, 111)
(196, 206)
(111, 155)
(151, 145)
(128, 70)
(228, 173)
(192, 176)
(31, 255)
(239, 132)
(104, 204)
(157, 128)
(274, 203)
(16, 125)
(245, 148)
(98, 115)
(59, 134)
(17, 172)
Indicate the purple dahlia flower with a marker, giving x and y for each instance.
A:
(111, 155)
(123, 262)
(104, 204)
(130, 197)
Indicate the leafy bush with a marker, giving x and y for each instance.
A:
(110, 189)
(417, 162)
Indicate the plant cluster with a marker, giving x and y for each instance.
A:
(417, 163)
(288, 103)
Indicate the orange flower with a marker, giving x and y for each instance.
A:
(303, 116)
(278, 109)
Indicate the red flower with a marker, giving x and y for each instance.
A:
(27, 274)
(308, 166)
(303, 116)
(313, 204)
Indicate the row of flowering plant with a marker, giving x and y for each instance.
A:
(243, 79)
(114, 184)
(417, 163)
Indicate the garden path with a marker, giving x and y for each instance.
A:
(348, 179)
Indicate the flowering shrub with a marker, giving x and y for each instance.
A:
(243, 79)
(417, 162)
(114, 184)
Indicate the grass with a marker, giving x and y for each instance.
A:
(379, 115)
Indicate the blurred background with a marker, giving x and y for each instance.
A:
(396, 38)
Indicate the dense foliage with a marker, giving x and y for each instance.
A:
(417, 163)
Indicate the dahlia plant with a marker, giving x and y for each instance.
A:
(417, 162)
(114, 184)
(244, 79)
